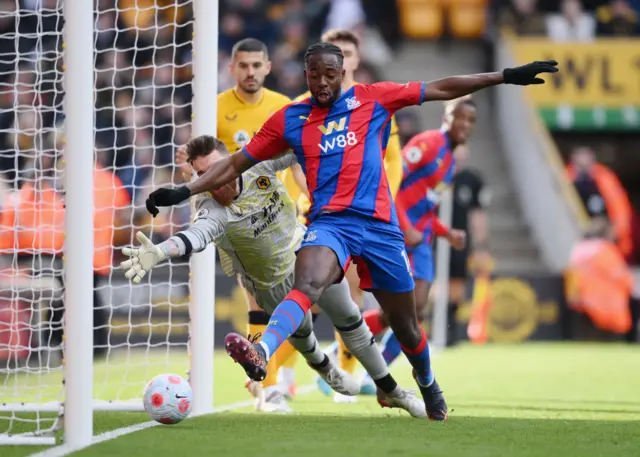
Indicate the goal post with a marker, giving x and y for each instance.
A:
(78, 245)
(443, 254)
(100, 104)
(205, 103)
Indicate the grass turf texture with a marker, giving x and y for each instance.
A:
(529, 400)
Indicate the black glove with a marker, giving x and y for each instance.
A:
(166, 197)
(527, 74)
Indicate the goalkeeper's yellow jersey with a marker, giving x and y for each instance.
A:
(238, 121)
(392, 165)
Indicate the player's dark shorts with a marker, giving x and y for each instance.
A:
(376, 247)
(458, 262)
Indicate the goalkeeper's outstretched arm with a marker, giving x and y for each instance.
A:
(208, 225)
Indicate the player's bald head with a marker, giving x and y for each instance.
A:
(459, 119)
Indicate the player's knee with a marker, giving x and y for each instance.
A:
(309, 286)
(356, 337)
(406, 330)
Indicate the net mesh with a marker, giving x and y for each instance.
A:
(142, 111)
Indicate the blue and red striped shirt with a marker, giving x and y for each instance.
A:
(429, 167)
(341, 149)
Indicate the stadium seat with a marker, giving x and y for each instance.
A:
(467, 18)
(421, 19)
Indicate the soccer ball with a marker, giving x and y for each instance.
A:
(168, 398)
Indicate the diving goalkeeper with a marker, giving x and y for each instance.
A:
(253, 222)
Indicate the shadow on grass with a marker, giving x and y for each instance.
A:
(630, 403)
(560, 408)
(237, 435)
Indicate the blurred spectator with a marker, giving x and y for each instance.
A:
(522, 18)
(602, 194)
(599, 282)
(617, 19)
(571, 24)
(143, 52)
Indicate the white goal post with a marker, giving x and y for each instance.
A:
(115, 79)
(443, 254)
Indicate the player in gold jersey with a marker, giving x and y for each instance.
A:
(349, 43)
(241, 112)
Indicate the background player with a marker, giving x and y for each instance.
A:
(470, 201)
(429, 168)
(349, 43)
(241, 111)
(339, 139)
(253, 222)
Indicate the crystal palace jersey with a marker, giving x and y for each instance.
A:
(341, 149)
(258, 234)
(239, 120)
(429, 168)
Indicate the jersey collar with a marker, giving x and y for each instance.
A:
(240, 187)
(243, 101)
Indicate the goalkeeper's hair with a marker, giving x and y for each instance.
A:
(249, 45)
(347, 36)
(324, 48)
(203, 145)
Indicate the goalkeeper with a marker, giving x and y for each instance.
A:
(252, 221)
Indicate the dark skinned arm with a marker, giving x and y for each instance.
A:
(459, 86)
(221, 172)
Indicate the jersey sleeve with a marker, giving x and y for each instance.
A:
(208, 224)
(393, 96)
(418, 152)
(282, 163)
(269, 141)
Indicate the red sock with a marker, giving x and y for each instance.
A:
(372, 319)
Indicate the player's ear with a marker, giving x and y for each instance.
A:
(344, 72)
(267, 66)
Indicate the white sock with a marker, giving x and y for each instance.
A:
(267, 353)
(288, 375)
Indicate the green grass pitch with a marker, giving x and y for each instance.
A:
(533, 400)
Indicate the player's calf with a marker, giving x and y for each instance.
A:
(340, 381)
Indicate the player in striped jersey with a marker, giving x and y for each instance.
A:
(338, 138)
(349, 43)
(253, 222)
(429, 168)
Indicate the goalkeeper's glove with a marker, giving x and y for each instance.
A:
(166, 197)
(141, 259)
(527, 74)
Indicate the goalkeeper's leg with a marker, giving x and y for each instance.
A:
(303, 340)
(345, 315)
(346, 360)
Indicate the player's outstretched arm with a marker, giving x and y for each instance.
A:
(459, 86)
(141, 259)
(209, 223)
(220, 173)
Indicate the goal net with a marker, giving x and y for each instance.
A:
(142, 97)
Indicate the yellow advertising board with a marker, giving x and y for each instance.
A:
(604, 73)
